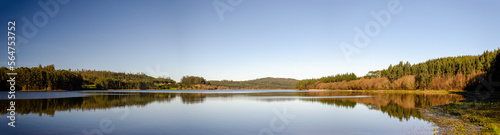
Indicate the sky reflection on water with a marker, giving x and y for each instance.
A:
(224, 112)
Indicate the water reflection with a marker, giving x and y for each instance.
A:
(223, 112)
(399, 105)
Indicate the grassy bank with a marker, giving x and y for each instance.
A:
(449, 124)
(482, 109)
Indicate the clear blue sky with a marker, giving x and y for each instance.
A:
(259, 38)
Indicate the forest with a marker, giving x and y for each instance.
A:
(118, 80)
(48, 78)
(261, 83)
(448, 73)
(42, 78)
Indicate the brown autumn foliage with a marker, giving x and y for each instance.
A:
(404, 83)
(456, 82)
(408, 82)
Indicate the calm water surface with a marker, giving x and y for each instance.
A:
(220, 112)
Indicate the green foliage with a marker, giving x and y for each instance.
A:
(307, 83)
(443, 67)
(108, 83)
(478, 110)
(90, 76)
(373, 74)
(303, 84)
(89, 87)
(425, 72)
(423, 77)
(163, 81)
(449, 66)
(339, 78)
(120, 80)
(42, 78)
(190, 80)
(47, 78)
(262, 83)
(168, 86)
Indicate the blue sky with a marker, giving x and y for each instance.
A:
(259, 38)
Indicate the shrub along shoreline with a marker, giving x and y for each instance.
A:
(408, 82)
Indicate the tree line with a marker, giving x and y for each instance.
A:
(42, 78)
(119, 80)
(303, 84)
(261, 83)
(48, 78)
(461, 72)
(189, 80)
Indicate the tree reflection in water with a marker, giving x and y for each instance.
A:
(400, 105)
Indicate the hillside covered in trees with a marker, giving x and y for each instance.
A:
(261, 83)
(119, 80)
(48, 78)
(42, 78)
(449, 73)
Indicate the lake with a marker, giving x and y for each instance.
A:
(221, 112)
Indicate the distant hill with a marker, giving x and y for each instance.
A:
(261, 83)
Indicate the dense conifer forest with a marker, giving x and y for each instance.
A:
(449, 73)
